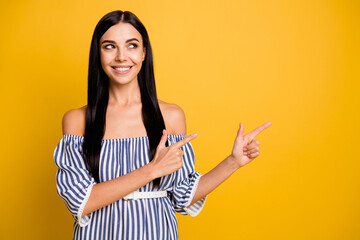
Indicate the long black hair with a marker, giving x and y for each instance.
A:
(98, 94)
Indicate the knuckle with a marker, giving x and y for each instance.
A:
(257, 142)
(257, 149)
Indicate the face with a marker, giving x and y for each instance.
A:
(122, 53)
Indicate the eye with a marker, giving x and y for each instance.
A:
(133, 45)
(109, 46)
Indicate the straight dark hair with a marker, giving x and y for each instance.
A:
(98, 94)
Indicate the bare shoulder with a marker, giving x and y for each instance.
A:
(74, 120)
(174, 117)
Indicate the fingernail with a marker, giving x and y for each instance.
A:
(245, 149)
(195, 134)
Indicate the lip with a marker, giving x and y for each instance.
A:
(122, 72)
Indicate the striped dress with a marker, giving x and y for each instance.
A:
(134, 219)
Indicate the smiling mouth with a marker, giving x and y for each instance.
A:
(122, 69)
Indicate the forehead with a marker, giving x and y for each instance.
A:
(121, 32)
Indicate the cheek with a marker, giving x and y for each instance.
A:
(136, 57)
(105, 59)
(106, 55)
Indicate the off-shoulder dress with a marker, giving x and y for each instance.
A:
(152, 218)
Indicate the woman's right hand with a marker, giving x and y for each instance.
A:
(169, 159)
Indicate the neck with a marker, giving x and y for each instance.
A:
(124, 94)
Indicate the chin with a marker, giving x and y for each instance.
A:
(122, 81)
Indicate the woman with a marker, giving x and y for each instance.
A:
(125, 163)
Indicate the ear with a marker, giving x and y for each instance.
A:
(144, 54)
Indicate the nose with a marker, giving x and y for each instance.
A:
(120, 55)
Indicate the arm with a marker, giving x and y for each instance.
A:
(105, 193)
(214, 178)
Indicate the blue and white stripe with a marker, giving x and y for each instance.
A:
(135, 219)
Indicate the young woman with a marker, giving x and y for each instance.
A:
(125, 163)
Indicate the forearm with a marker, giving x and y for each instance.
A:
(214, 178)
(105, 193)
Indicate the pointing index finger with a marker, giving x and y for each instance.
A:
(184, 141)
(251, 135)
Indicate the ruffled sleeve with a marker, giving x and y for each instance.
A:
(73, 180)
(186, 181)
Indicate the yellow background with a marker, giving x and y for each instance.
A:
(294, 63)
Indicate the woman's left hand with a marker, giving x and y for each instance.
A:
(246, 148)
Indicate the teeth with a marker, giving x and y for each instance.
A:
(122, 69)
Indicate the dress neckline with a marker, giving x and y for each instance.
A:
(120, 139)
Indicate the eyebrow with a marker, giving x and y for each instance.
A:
(129, 40)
